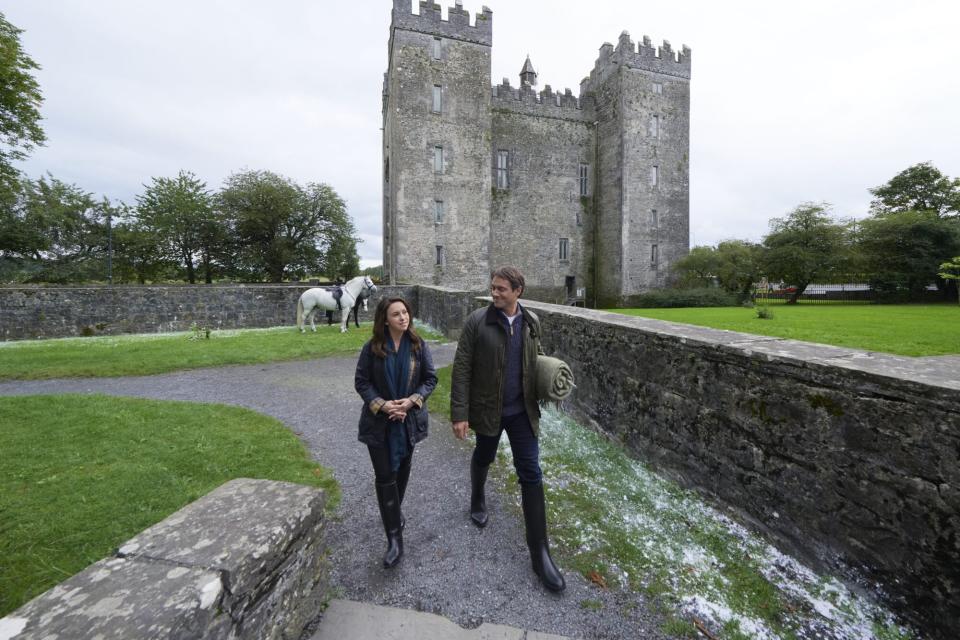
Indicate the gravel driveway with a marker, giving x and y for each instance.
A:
(449, 567)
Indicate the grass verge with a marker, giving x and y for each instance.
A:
(623, 527)
(159, 353)
(83, 474)
(909, 330)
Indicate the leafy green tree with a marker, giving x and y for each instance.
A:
(20, 101)
(804, 246)
(698, 267)
(738, 266)
(57, 231)
(921, 187)
(902, 252)
(180, 212)
(285, 230)
(950, 270)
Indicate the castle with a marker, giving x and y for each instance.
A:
(580, 192)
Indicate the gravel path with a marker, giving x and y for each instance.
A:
(449, 567)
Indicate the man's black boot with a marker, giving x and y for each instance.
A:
(478, 502)
(535, 519)
(389, 501)
(403, 476)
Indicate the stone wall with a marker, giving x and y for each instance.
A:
(244, 561)
(56, 312)
(850, 459)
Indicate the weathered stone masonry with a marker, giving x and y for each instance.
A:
(849, 459)
(246, 561)
(483, 176)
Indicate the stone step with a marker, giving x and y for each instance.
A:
(348, 620)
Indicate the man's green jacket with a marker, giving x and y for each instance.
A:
(478, 369)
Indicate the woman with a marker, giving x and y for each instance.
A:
(395, 375)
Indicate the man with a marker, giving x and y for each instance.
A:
(493, 389)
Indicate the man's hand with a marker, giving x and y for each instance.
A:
(460, 429)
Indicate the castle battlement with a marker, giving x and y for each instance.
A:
(662, 59)
(526, 100)
(457, 25)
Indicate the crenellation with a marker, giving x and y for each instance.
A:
(457, 25)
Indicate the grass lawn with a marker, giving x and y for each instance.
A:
(82, 474)
(158, 353)
(908, 330)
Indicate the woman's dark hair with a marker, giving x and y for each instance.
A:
(511, 275)
(379, 342)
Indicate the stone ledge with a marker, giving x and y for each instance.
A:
(244, 561)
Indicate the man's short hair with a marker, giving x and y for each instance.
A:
(511, 275)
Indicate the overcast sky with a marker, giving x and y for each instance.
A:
(791, 102)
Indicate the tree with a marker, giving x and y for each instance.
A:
(951, 271)
(698, 267)
(179, 211)
(283, 229)
(921, 187)
(803, 246)
(902, 252)
(20, 101)
(54, 231)
(738, 266)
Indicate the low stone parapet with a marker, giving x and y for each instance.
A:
(244, 561)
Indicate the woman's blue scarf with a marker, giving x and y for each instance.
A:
(397, 368)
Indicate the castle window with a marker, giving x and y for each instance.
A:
(437, 98)
(436, 48)
(655, 126)
(438, 159)
(503, 178)
(657, 87)
(440, 256)
(584, 170)
(438, 211)
(654, 176)
(654, 255)
(654, 219)
(564, 249)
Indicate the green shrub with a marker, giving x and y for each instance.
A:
(699, 297)
(764, 313)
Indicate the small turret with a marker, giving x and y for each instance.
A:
(528, 77)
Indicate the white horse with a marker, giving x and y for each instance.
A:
(318, 298)
(361, 302)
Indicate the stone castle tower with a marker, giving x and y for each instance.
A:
(588, 191)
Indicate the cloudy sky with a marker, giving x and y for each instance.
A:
(791, 101)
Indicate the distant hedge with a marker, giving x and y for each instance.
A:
(700, 297)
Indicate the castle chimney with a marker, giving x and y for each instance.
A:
(528, 77)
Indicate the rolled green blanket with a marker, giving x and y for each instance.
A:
(554, 379)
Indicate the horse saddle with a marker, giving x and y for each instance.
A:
(337, 293)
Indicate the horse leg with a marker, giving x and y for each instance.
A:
(329, 317)
(313, 317)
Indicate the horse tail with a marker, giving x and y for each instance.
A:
(300, 313)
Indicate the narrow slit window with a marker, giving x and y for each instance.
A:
(655, 126)
(584, 183)
(436, 48)
(654, 175)
(440, 256)
(438, 159)
(654, 254)
(437, 98)
(564, 249)
(657, 87)
(654, 219)
(503, 177)
(438, 211)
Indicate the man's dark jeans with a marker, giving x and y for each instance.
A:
(523, 444)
